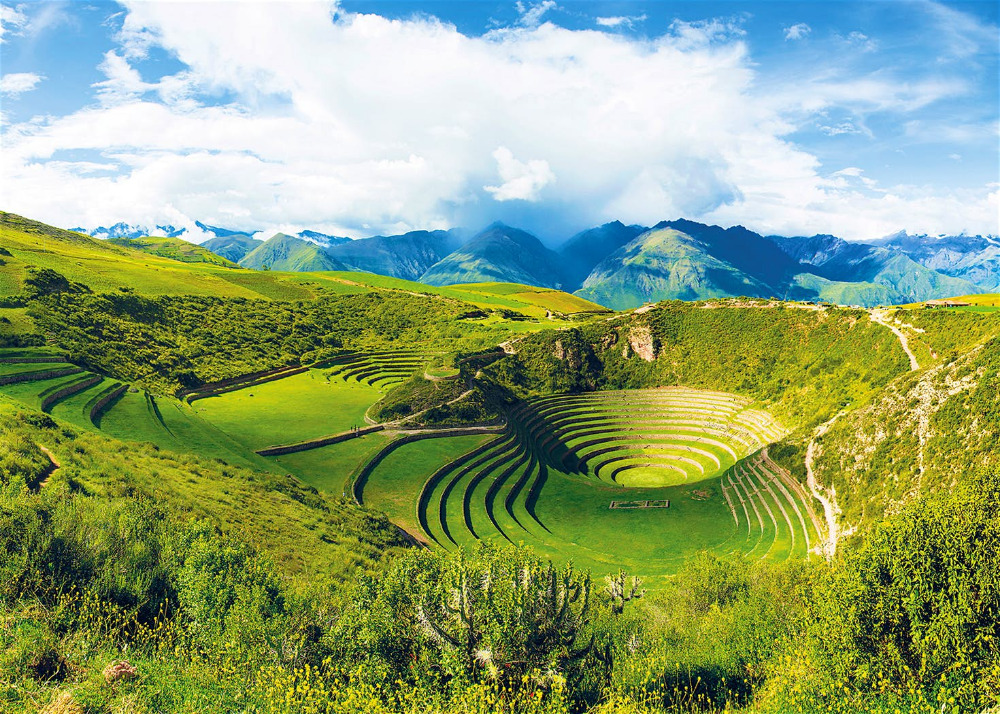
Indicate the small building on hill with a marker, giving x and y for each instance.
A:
(946, 303)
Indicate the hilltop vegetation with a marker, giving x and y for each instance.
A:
(175, 249)
(168, 343)
(803, 363)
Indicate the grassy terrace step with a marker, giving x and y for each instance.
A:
(51, 396)
(705, 463)
(100, 402)
(432, 482)
(12, 368)
(73, 407)
(30, 391)
(778, 509)
(32, 373)
(452, 502)
(498, 473)
(389, 487)
(246, 382)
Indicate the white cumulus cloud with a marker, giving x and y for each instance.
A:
(797, 31)
(17, 83)
(377, 125)
(522, 181)
(620, 20)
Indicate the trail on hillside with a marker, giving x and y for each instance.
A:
(879, 316)
(826, 497)
(53, 466)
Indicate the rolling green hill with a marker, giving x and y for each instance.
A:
(283, 252)
(175, 249)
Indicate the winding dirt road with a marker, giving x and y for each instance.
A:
(826, 497)
(881, 318)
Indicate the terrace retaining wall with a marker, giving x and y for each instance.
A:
(317, 443)
(69, 390)
(103, 402)
(273, 377)
(39, 375)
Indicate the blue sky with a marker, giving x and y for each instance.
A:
(854, 118)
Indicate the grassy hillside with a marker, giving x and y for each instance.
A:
(175, 249)
(175, 569)
(920, 435)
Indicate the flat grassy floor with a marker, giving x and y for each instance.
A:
(655, 541)
(395, 483)
(297, 408)
(328, 468)
(172, 425)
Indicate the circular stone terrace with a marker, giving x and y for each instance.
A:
(639, 479)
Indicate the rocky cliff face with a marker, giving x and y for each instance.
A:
(640, 341)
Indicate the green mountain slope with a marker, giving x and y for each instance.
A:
(234, 247)
(806, 286)
(405, 256)
(972, 258)
(904, 279)
(665, 264)
(174, 249)
(498, 254)
(283, 252)
(581, 253)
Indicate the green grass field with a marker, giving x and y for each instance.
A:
(329, 468)
(297, 408)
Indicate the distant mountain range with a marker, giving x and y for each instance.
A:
(623, 266)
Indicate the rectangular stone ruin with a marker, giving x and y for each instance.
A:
(662, 503)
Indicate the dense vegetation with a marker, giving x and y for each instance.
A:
(805, 364)
(168, 343)
(922, 433)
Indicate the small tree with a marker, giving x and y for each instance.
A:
(622, 588)
(501, 615)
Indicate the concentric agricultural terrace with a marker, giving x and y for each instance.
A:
(638, 478)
